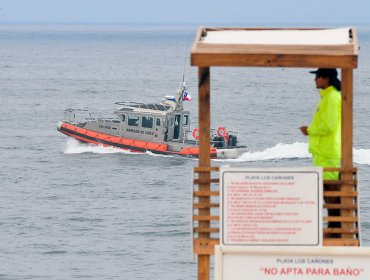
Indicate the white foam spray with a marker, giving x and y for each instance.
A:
(296, 150)
(361, 156)
(74, 146)
(280, 151)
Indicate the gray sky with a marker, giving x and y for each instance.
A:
(227, 12)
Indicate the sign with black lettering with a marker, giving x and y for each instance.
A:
(271, 206)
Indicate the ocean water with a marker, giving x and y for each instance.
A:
(70, 210)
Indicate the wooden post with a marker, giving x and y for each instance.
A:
(347, 118)
(204, 119)
(347, 140)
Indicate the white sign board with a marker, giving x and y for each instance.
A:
(313, 263)
(271, 206)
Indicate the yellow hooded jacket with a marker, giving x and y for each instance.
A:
(325, 130)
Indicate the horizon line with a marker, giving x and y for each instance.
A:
(156, 23)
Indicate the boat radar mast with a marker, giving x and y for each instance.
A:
(180, 96)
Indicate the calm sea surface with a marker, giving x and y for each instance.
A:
(70, 211)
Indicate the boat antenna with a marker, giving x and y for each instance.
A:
(186, 54)
(183, 86)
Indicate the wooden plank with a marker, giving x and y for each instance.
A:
(340, 219)
(205, 246)
(340, 169)
(206, 193)
(347, 140)
(205, 205)
(341, 194)
(273, 60)
(341, 242)
(211, 230)
(204, 260)
(347, 121)
(206, 169)
(227, 49)
(208, 181)
(204, 117)
(340, 182)
(340, 230)
(340, 206)
(206, 218)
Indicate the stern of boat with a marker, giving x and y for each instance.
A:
(230, 153)
(227, 153)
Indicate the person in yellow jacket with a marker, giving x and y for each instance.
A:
(324, 132)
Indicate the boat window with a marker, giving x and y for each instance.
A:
(185, 120)
(147, 122)
(133, 120)
(158, 122)
(160, 107)
(123, 117)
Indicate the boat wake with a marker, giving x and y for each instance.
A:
(158, 155)
(295, 151)
(74, 146)
(362, 156)
(280, 151)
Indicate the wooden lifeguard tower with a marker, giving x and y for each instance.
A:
(274, 47)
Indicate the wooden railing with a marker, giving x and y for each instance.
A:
(340, 221)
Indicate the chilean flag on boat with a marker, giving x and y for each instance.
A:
(186, 96)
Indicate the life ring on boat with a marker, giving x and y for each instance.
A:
(221, 131)
(195, 133)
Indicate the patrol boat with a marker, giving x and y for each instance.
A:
(160, 128)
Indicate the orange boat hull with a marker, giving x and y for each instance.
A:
(97, 138)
